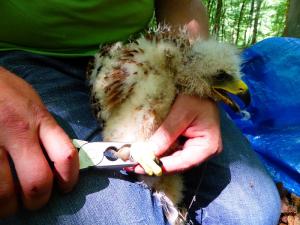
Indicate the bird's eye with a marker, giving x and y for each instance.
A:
(221, 76)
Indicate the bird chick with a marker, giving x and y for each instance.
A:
(135, 84)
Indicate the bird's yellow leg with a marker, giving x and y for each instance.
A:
(148, 169)
(150, 163)
(141, 153)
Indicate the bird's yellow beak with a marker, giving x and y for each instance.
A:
(235, 87)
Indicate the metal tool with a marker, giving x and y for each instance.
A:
(100, 155)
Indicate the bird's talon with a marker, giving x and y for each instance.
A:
(146, 158)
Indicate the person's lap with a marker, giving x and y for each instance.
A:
(234, 188)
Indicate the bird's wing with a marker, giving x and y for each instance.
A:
(116, 70)
(93, 68)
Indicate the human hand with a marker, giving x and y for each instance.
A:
(197, 120)
(26, 129)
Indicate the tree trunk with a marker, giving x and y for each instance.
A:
(292, 28)
(250, 22)
(209, 6)
(223, 23)
(239, 22)
(218, 17)
(210, 9)
(258, 7)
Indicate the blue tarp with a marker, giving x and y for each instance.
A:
(272, 121)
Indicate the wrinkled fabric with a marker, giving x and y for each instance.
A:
(272, 121)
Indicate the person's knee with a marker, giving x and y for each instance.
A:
(260, 207)
(243, 204)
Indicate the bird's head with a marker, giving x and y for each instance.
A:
(216, 67)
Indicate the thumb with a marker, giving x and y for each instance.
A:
(61, 151)
(173, 126)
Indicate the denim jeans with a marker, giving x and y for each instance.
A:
(231, 189)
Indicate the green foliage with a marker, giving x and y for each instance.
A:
(245, 22)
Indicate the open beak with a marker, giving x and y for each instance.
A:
(235, 87)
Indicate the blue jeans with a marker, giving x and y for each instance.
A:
(234, 187)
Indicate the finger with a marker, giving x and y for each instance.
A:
(61, 151)
(136, 169)
(33, 171)
(180, 161)
(139, 169)
(8, 199)
(195, 151)
(172, 127)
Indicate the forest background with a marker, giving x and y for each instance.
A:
(245, 22)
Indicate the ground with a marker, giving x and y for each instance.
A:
(290, 207)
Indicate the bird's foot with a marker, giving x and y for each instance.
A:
(142, 153)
